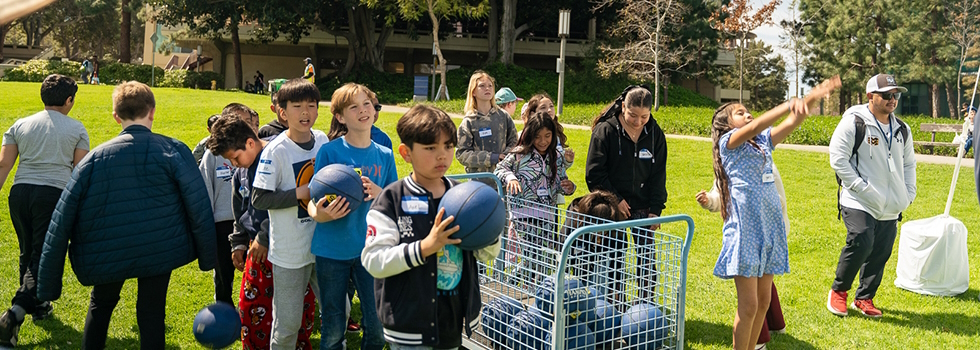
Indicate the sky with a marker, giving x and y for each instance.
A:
(770, 35)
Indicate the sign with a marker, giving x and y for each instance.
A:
(421, 85)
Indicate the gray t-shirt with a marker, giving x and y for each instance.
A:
(46, 144)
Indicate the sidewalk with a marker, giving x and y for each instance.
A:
(920, 158)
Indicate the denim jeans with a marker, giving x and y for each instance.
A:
(333, 276)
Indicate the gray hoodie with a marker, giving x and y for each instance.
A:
(868, 183)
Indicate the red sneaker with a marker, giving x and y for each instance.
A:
(867, 307)
(837, 303)
(353, 326)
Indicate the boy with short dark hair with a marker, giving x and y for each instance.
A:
(235, 140)
(199, 148)
(285, 168)
(275, 126)
(135, 207)
(408, 246)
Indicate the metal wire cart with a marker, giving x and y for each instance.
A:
(623, 285)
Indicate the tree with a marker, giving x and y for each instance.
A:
(921, 52)
(206, 19)
(4, 29)
(436, 11)
(644, 53)
(764, 75)
(963, 17)
(125, 27)
(793, 39)
(740, 21)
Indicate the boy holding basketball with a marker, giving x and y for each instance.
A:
(285, 167)
(427, 290)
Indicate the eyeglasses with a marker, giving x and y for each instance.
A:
(890, 95)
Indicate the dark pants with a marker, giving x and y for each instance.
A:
(151, 310)
(31, 207)
(869, 245)
(774, 318)
(224, 271)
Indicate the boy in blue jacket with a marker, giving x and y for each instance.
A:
(135, 207)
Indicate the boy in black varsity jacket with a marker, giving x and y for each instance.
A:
(426, 288)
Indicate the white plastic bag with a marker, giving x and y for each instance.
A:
(932, 257)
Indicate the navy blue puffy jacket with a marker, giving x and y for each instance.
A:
(135, 206)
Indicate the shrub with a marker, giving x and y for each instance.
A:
(391, 88)
(115, 73)
(182, 78)
(37, 70)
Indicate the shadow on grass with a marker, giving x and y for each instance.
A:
(938, 322)
(701, 332)
(65, 336)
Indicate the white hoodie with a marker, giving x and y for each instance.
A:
(868, 184)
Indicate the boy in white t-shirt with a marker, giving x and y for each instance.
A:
(285, 167)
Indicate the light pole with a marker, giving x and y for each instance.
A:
(564, 17)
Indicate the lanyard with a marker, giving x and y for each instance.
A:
(889, 136)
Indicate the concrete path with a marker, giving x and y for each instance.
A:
(921, 158)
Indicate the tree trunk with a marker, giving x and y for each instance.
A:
(741, 62)
(950, 101)
(368, 48)
(236, 46)
(3, 37)
(934, 101)
(494, 36)
(443, 91)
(843, 100)
(666, 86)
(507, 33)
(124, 30)
(959, 84)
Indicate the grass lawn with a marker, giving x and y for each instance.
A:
(816, 237)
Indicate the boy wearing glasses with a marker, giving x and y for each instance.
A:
(878, 183)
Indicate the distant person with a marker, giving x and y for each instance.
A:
(486, 133)
(275, 126)
(87, 69)
(878, 184)
(377, 135)
(95, 71)
(259, 82)
(309, 73)
(154, 217)
(507, 100)
(49, 144)
(967, 136)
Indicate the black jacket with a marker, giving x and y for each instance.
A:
(135, 206)
(636, 172)
(405, 290)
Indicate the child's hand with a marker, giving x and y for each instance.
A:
(513, 187)
(323, 212)
(303, 193)
(238, 259)
(257, 253)
(702, 198)
(569, 155)
(798, 109)
(567, 186)
(822, 90)
(371, 190)
(439, 236)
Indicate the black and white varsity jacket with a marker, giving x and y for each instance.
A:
(405, 283)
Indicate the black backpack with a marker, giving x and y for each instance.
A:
(859, 132)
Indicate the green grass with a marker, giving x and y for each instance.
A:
(816, 237)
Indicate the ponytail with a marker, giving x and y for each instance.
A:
(632, 96)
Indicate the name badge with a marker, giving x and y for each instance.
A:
(543, 192)
(891, 164)
(415, 205)
(645, 154)
(223, 172)
(768, 177)
(485, 132)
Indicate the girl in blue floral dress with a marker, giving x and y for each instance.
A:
(754, 244)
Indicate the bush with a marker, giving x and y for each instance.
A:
(115, 73)
(182, 78)
(37, 70)
(391, 88)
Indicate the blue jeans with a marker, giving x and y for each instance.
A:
(333, 276)
(968, 144)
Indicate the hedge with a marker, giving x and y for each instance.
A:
(37, 70)
(182, 78)
(114, 73)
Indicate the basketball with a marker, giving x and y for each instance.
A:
(577, 336)
(217, 325)
(497, 315)
(577, 299)
(644, 327)
(479, 212)
(337, 180)
(607, 322)
(303, 176)
(528, 330)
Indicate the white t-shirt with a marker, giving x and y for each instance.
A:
(282, 166)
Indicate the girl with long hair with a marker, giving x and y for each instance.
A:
(486, 133)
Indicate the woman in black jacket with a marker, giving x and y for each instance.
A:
(628, 157)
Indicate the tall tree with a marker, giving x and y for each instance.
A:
(4, 29)
(740, 21)
(645, 51)
(763, 75)
(207, 19)
(125, 27)
(921, 51)
(963, 17)
(699, 38)
(793, 39)
(493, 34)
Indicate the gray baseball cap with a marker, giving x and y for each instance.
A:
(883, 82)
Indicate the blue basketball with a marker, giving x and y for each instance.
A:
(497, 315)
(577, 336)
(644, 327)
(607, 322)
(578, 298)
(528, 330)
(479, 212)
(217, 325)
(337, 180)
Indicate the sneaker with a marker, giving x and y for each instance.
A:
(353, 326)
(837, 303)
(867, 307)
(760, 346)
(9, 327)
(42, 311)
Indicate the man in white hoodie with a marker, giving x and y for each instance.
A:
(878, 183)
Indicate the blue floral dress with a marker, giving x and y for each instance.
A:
(754, 235)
